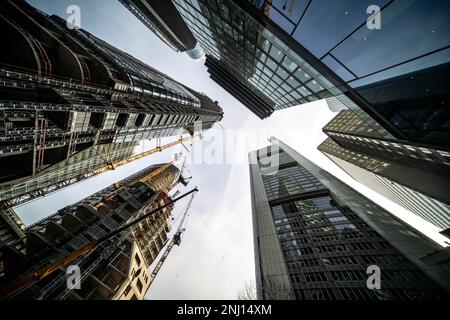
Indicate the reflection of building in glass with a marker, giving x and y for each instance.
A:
(294, 51)
(405, 87)
(66, 95)
(117, 268)
(335, 105)
(315, 237)
(414, 176)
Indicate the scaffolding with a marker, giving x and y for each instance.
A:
(37, 193)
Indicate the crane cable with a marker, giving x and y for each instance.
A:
(45, 271)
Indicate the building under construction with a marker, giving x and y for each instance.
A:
(117, 268)
(11, 228)
(69, 102)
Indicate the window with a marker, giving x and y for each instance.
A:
(139, 285)
(127, 290)
(138, 260)
(347, 16)
(404, 23)
(315, 277)
(322, 294)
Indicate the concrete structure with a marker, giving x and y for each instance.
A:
(315, 237)
(415, 176)
(116, 269)
(63, 92)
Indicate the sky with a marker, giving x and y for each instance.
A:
(215, 259)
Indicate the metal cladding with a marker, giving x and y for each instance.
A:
(415, 176)
(315, 237)
(116, 269)
(65, 92)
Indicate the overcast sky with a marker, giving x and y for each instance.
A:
(215, 258)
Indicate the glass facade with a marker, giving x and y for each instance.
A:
(369, 172)
(76, 94)
(292, 52)
(81, 163)
(420, 169)
(324, 238)
(253, 54)
(405, 83)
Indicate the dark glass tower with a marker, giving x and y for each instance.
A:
(291, 52)
(115, 269)
(163, 19)
(249, 60)
(415, 176)
(403, 86)
(315, 237)
(69, 100)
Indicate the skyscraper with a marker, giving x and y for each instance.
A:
(415, 176)
(115, 269)
(249, 61)
(277, 54)
(66, 95)
(163, 19)
(315, 237)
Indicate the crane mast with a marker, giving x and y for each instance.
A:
(176, 239)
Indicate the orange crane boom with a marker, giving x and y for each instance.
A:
(30, 196)
(44, 271)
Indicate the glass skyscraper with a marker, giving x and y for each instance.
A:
(163, 19)
(315, 237)
(66, 96)
(277, 54)
(250, 61)
(415, 176)
(403, 86)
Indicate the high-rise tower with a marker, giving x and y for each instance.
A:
(163, 19)
(315, 237)
(117, 268)
(414, 176)
(277, 54)
(69, 102)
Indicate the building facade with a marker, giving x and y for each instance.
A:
(315, 237)
(11, 229)
(402, 86)
(163, 19)
(119, 267)
(64, 91)
(292, 52)
(418, 172)
(250, 61)
(335, 105)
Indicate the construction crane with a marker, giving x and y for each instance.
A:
(119, 163)
(32, 277)
(176, 238)
(109, 165)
